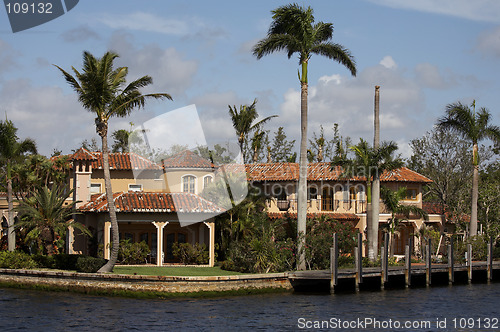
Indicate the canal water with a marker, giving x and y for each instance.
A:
(457, 308)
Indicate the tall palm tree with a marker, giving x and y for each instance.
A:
(369, 162)
(475, 127)
(47, 218)
(103, 90)
(392, 201)
(12, 151)
(293, 30)
(244, 123)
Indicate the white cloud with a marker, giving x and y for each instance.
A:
(388, 62)
(429, 76)
(488, 42)
(143, 22)
(46, 114)
(171, 71)
(477, 10)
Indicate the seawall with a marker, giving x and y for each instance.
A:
(94, 283)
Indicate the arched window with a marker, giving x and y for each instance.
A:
(207, 180)
(188, 182)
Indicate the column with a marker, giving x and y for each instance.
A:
(107, 239)
(159, 244)
(211, 248)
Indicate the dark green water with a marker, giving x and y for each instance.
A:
(458, 308)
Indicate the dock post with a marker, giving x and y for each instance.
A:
(408, 252)
(451, 263)
(428, 263)
(469, 262)
(358, 257)
(334, 264)
(384, 259)
(489, 263)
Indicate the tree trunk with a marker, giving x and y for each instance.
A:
(108, 267)
(475, 192)
(11, 235)
(376, 178)
(302, 192)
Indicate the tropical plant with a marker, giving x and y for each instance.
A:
(244, 124)
(103, 90)
(12, 151)
(399, 212)
(280, 149)
(474, 127)
(47, 218)
(368, 162)
(293, 30)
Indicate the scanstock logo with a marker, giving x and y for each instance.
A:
(26, 14)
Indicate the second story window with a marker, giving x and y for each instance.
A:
(95, 188)
(188, 184)
(206, 181)
(411, 194)
(134, 187)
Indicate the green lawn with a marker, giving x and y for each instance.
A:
(187, 271)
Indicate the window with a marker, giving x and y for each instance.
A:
(352, 193)
(188, 184)
(95, 188)
(312, 193)
(411, 194)
(207, 180)
(134, 187)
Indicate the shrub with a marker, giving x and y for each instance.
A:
(189, 254)
(89, 264)
(16, 260)
(133, 253)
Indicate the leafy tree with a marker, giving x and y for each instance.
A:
(47, 218)
(443, 158)
(293, 30)
(12, 151)
(368, 162)
(489, 205)
(259, 140)
(474, 127)
(399, 212)
(219, 155)
(280, 149)
(37, 171)
(91, 146)
(244, 123)
(103, 90)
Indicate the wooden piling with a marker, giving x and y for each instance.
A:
(469, 262)
(334, 264)
(384, 260)
(408, 252)
(489, 263)
(451, 263)
(358, 257)
(428, 263)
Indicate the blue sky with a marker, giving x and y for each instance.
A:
(424, 54)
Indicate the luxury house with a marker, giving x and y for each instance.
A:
(343, 199)
(161, 204)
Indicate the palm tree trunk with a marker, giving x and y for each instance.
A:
(108, 267)
(11, 237)
(376, 179)
(302, 192)
(475, 190)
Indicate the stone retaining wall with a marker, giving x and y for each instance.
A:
(135, 283)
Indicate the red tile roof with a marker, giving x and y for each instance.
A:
(187, 159)
(152, 202)
(322, 172)
(118, 161)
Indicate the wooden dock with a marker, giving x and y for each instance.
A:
(411, 274)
